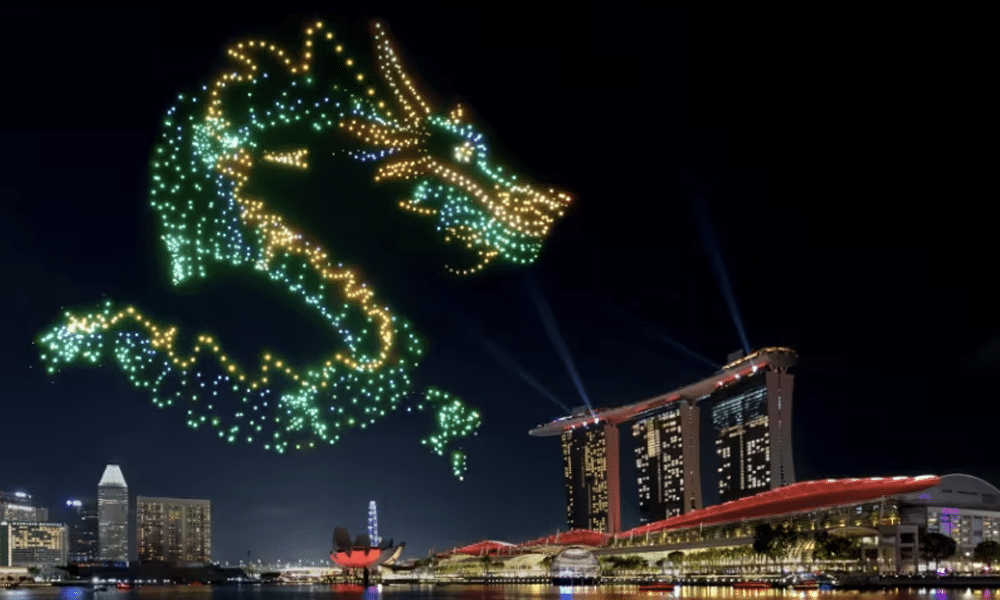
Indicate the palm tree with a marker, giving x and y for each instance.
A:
(987, 552)
(677, 558)
(936, 546)
(763, 540)
(728, 556)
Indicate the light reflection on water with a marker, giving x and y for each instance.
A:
(474, 592)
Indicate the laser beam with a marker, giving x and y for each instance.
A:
(711, 244)
(653, 332)
(517, 369)
(552, 329)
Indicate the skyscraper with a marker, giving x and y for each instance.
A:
(667, 461)
(752, 418)
(83, 530)
(18, 506)
(174, 529)
(112, 515)
(590, 475)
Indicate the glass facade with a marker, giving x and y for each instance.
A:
(25, 544)
(174, 529)
(585, 473)
(742, 438)
(83, 530)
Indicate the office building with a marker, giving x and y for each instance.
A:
(18, 506)
(32, 544)
(112, 516)
(667, 461)
(752, 418)
(590, 475)
(82, 524)
(175, 530)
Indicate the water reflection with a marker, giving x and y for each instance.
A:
(696, 593)
(476, 592)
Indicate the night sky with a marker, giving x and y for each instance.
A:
(795, 147)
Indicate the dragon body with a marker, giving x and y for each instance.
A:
(213, 145)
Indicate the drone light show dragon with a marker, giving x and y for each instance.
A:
(213, 145)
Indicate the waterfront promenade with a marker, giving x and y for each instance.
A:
(846, 583)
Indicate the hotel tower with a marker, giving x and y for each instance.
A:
(750, 402)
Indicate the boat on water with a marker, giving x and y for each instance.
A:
(574, 581)
(662, 586)
(752, 585)
(124, 586)
(806, 585)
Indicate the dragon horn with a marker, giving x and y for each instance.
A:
(413, 105)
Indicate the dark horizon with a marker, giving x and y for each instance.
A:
(736, 181)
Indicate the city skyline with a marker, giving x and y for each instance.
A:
(650, 120)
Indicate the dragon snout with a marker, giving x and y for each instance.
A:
(531, 210)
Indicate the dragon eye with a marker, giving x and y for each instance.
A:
(464, 152)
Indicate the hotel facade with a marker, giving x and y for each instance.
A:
(590, 476)
(32, 544)
(667, 460)
(752, 420)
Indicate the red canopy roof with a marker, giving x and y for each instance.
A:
(798, 497)
(574, 537)
(485, 547)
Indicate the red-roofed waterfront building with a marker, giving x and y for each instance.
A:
(871, 509)
(883, 516)
(573, 537)
(798, 498)
(485, 548)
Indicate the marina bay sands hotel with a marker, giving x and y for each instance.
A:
(750, 400)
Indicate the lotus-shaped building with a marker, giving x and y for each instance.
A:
(361, 554)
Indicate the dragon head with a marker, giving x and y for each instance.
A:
(489, 211)
(477, 203)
